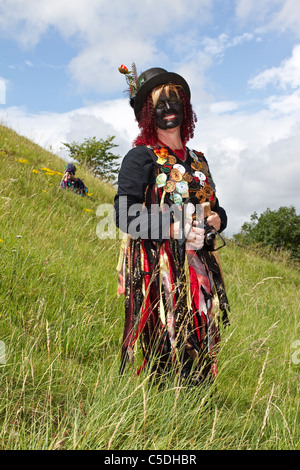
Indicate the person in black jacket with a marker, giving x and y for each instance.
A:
(166, 202)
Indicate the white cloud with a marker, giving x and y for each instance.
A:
(286, 104)
(253, 158)
(270, 15)
(287, 18)
(285, 76)
(51, 129)
(217, 46)
(221, 107)
(26, 22)
(104, 34)
(250, 9)
(2, 91)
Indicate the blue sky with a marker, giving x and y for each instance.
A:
(59, 82)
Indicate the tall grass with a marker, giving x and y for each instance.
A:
(61, 323)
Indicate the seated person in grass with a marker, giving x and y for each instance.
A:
(70, 181)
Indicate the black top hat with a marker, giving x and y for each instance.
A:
(150, 79)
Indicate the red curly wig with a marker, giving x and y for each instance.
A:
(147, 121)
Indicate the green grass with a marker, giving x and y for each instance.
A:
(61, 322)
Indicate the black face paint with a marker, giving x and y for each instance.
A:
(168, 111)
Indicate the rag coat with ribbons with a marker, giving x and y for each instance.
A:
(173, 296)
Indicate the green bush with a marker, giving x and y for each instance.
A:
(96, 156)
(279, 230)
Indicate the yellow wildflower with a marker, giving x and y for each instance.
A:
(44, 191)
(35, 171)
(1, 240)
(23, 160)
(51, 172)
(88, 210)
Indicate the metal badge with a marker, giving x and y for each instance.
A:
(182, 187)
(170, 186)
(196, 166)
(166, 168)
(200, 175)
(185, 195)
(172, 159)
(205, 172)
(161, 180)
(204, 167)
(177, 198)
(175, 174)
(200, 196)
(180, 168)
(199, 154)
(161, 160)
(207, 190)
(187, 177)
(193, 155)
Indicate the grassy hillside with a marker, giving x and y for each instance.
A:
(61, 324)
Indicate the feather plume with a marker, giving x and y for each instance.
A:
(134, 72)
(131, 78)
